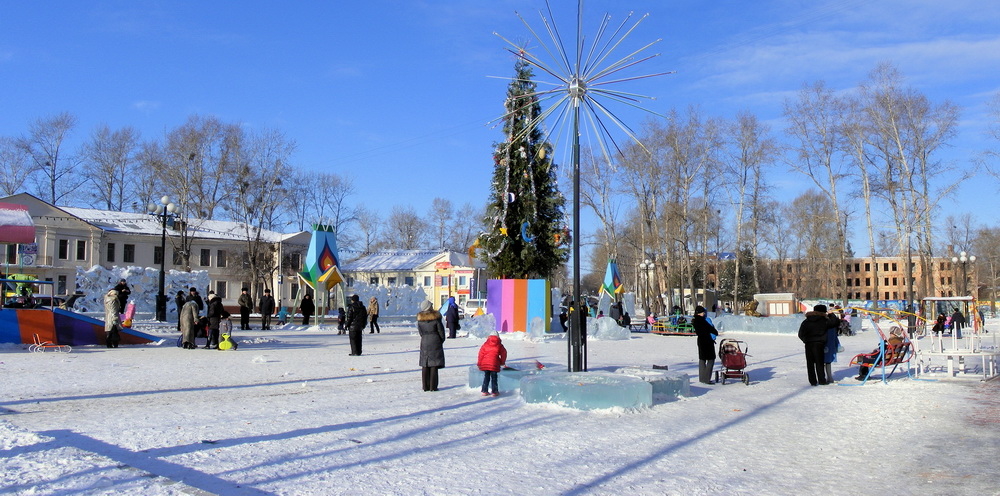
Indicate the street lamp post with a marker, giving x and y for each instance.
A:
(165, 210)
(646, 266)
(964, 258)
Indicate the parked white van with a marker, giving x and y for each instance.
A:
(471, 305)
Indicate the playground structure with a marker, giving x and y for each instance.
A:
(927, 355)
(971, 354)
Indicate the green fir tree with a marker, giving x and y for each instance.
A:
(525, 234)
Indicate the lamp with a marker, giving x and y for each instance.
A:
(964, 258)
(165, 210)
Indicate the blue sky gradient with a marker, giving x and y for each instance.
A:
(397, 94)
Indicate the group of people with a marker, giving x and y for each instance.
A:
(956, 322)
(191, 323)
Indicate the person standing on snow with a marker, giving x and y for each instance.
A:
(706, 344)
(112, 318)
(188, 322)
(246, 306)
(357, 318)
(492, 358)
(373, 316)
(307, 308)
(123, 294)
(216, 312)
(195, 297)
(266, 308)
(451, 318)
(431, 332)
(813, 333)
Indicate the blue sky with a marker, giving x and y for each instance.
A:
(397, 95)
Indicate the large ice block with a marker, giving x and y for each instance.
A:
(587, 390)
(507, 380)
(667, 385)
(606, 329)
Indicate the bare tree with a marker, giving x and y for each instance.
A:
(440, 218)
(815, 123)
(257, 204)
(465, 228)
(15, 166)
(110, 162)
(200, 162)
(369, 226)
(404, 229)
(44, 143)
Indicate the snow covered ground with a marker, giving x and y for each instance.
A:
(291, 413)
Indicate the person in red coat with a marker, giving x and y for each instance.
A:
(492, 357)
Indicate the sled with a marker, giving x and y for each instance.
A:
(40, 346)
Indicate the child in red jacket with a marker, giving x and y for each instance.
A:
(492, 357)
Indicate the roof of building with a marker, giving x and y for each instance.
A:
(401, 260)
(137, 223)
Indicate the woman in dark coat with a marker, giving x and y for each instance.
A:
(431, 345)
(307, 307)
(706, 344)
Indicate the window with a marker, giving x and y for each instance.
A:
(220, 288)
(885, 267)
(857, 267)
(895, 295)
(848, 267)
(894, 269)
(111, 252)
(81, 249)
(848, 283)
(178, 258)
(206, 258)
(886, 295)
(373, 280)
(296, 259)
(220, 260)
(857, 281)
(868, 267)
(295, 291)
(408, 281)
(12, 254)
(427, 280)
(949, 281)
(391, 281)
(894, 281)
(61, 285)
(128, 253)
(868, 295)
(868, 281)
(463, 281)
(157, 255)
(887, 283)
(63, 249)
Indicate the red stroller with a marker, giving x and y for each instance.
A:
(734, 359)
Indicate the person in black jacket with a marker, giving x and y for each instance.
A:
(706, 344)
(216, 312)
(307, 308)
(266, 307)
(123, 294)
(813, 333)
(357, 319)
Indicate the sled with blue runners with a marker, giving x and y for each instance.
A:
(893, 351)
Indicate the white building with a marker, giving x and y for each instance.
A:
(67, 238)
(439, 273)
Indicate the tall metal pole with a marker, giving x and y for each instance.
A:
(161, 298)
(577, 340)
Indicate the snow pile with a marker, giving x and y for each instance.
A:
(605, 328)
(743, 323)
(394, 301)
(144, 282)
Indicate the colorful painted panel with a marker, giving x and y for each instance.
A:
(516, 302)
(60, 327)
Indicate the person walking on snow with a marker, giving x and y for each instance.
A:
(112, 318)
(373, 316)
(357, 317)
(451, 318)
(706, 344)
(431, 332)
(492, 358)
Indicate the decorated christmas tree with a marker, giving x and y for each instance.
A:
(524, 229)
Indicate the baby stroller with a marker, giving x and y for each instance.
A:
(734, 359)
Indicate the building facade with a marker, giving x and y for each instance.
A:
(440, 274)
(67, 238)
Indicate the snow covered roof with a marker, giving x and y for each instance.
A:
(400, 260)
(135, 223)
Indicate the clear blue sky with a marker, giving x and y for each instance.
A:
(397, 94)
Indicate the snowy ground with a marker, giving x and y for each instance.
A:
(291, 413)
